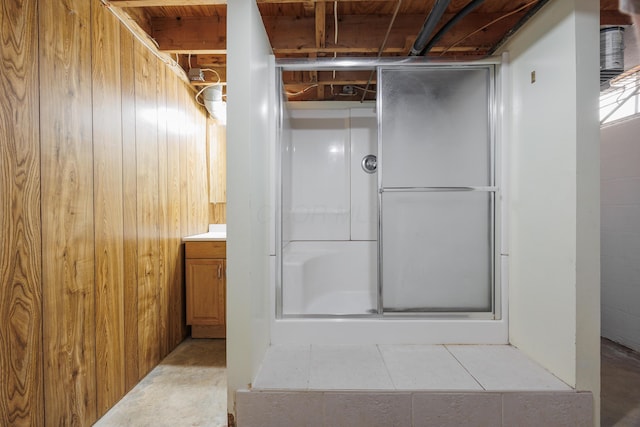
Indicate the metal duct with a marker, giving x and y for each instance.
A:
(453, 21)
(429, 25)
(611, 52)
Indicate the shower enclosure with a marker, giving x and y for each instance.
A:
(389, 212)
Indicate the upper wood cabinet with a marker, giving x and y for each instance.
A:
(217, 138)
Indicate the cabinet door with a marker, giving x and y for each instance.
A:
(205, 291)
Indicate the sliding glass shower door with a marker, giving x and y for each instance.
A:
(437, 189)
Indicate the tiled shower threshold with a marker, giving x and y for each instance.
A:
(407, 385)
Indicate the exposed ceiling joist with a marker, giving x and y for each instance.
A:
(613, 17)
(320, 15)
(205, 34)
(317, 1)
(306, 29)
(154, 3)
(394, 51)
(308, 35)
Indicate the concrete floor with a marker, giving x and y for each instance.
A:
(620, 392)
(188, 388)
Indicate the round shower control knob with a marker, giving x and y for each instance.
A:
(369, 163)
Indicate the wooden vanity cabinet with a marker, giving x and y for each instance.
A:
(205, 264)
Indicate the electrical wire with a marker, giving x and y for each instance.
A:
(513, 12)
(302, 91)
(335, 21)
(214, 72)
(382, 46)
(364, 89)
(335, 36)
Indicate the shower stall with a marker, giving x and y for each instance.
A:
(389, 214)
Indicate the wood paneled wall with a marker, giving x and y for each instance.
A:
(217, 166)
(103, 168)
(21, 387)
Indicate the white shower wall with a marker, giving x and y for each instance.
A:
(329, 211)
(620, 231)
(328, 196)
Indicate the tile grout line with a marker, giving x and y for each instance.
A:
(386, 368)
(308, 381)
(464, 367)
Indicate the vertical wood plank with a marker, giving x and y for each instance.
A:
(147, 207)
(217, 148)
(217, 213)
(21, 390)
(108, 207)
(192, 165)
(174, 232)
(201, 168)
(197, 167)
(67, 212)
(164, 240)
(129, 190)
(183, 103)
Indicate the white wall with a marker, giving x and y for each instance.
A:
(249, 129)
(620, 169)
(554, 214)
(320, 190)
(327, 194)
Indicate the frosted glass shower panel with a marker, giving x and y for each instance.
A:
(435, 127)
(437, 251)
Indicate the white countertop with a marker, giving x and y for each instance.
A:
(217, 232)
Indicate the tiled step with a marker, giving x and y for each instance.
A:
(413, 409)
(407, 385)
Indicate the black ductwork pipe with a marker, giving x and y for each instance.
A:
(429, 25)
(453, 21)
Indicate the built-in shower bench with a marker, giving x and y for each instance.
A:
(407, 385)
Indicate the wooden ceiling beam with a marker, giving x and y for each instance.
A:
(204, 34)
(317, 1)
(206, 60)
(613, 17)
(365, 33)
(320, 24)
(308, 35)
(154, 3)
(367, 51)
(326, 78)
(320, 17)
(309, 7)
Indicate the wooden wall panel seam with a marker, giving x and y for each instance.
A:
(129, 191)
(108, 208)
(147, 206)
